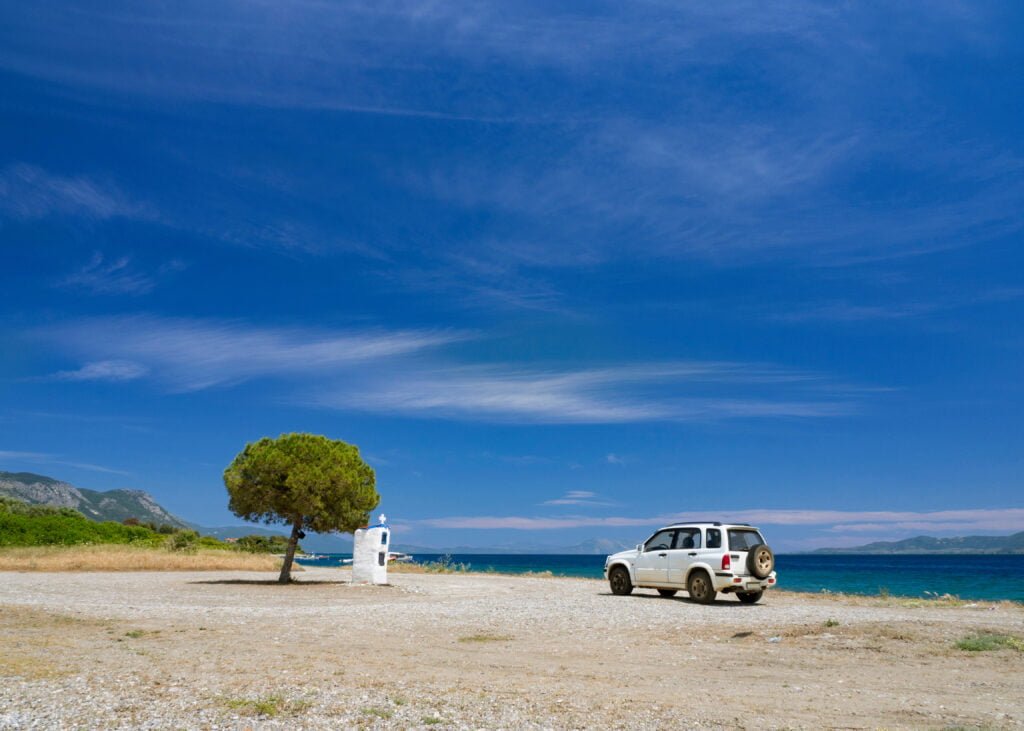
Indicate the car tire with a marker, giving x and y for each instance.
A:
(760, 561)
(700, 588)
(618, 579)
(667, 593)
(749, 597)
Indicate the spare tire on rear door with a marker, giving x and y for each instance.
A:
(760, 561)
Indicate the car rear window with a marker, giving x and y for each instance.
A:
(743, 540)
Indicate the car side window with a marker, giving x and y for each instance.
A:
(660, 541)
(688, 538)
(714, 538)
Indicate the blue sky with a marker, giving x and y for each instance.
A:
(561, 271)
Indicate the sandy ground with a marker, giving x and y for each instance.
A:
(232, 650)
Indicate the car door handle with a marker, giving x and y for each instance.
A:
(662, 554)
(692, 554)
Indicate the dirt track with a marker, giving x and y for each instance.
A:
(174, 650)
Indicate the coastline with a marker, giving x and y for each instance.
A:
(180, 649)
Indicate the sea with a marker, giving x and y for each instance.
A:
(970, 577)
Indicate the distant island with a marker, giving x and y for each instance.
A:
(1012, 544)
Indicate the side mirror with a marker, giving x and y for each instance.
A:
(640, 547)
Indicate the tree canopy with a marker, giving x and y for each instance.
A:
(304, 480)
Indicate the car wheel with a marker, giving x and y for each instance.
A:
(667, 593)
(700, 588)
(760, 561)
(749, 597)
(618, 577)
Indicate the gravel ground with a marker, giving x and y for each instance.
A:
(469, 651)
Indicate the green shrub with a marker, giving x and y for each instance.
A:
(22, 524)
(985, 642)
(264, 544)
(381, 713)
(214, 543)
(269, 706)
(26, 525)
(184, 541)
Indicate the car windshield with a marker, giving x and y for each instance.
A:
(660, 541)
(743, 540)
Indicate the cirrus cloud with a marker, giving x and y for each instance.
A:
(195, 354)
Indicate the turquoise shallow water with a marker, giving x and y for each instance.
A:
(969, 577)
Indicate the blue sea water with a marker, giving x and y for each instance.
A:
(968, 577)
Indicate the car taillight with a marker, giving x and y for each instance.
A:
(726, 562)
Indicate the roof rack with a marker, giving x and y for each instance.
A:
(703, 522)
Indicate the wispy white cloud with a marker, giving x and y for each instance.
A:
(842, 311)
(191, 355)
(731, 195)
(388, 372)
(770, 109)
(612, 458)
(961, 521)
(233, 49)
(102, 276)
(632, 393)
(29, 192)
(103, 370)
(490, 276)
(579, 497)
(31, 456)
(230, 54)
(44, 458)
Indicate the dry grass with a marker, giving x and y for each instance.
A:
(28, 667)
(433, 567)
(129, 558)
(34, 644)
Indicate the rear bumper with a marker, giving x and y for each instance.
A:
(726, 581)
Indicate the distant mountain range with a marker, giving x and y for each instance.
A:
(110, 505)
(927, 544)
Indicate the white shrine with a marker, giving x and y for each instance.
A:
(370, 553)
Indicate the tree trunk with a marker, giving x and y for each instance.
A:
(289, 555)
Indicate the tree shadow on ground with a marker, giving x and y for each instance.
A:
(271, 582)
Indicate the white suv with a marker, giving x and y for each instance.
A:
(702, 558)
